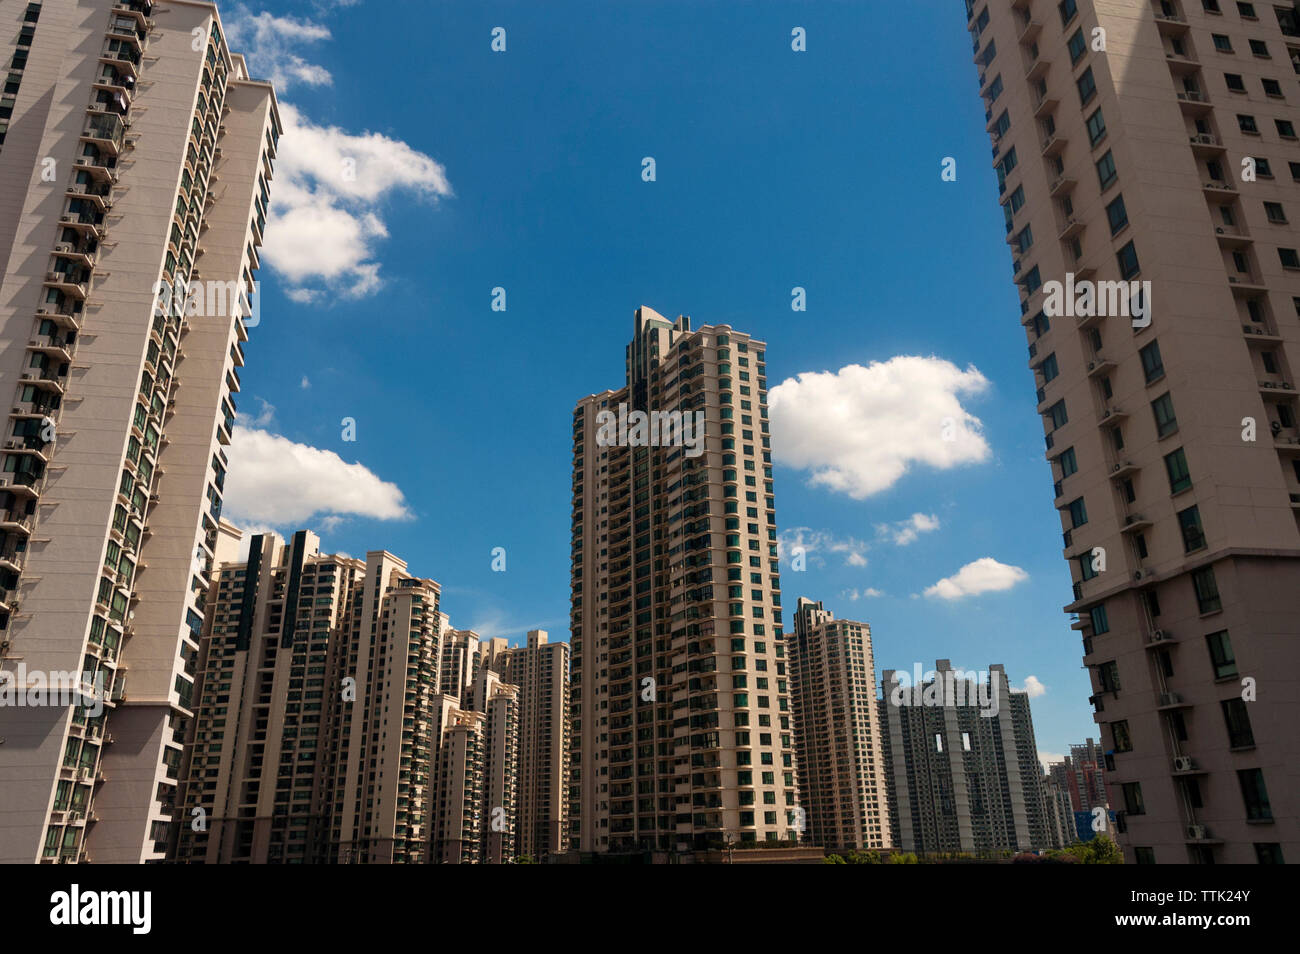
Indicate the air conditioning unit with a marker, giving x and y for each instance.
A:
(63, 247)
(1159, 636)
(1197, 833)
(1184, 763)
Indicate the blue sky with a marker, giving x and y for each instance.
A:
(522, 170)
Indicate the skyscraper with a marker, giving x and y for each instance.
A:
(680, 701)
(317, 715)
(1151, 142)
(122, 119)
(540, 669)
(962, 762)
(842, 785)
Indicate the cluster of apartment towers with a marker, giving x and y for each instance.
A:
(264, 701)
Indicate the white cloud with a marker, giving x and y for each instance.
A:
(984, 575)
(860, 429)
(262, 418)
(867, 593)
(267, 42)
(330, 184)
(1033, 687)
(815, 542)
(277, 482)
(906, 531)
(305, 383)
(1047, 759)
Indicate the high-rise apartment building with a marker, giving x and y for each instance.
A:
(1082, 776)
(317, 717)
(962, 763)
(681, 724)
(842, 788)
(135, 152)
(540, 670)
(1153, 142)
(460, 652)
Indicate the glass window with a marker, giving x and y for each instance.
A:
(1180, 478)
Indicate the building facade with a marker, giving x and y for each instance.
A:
(842, 788)
(136, 154)
(1146, 157)
(963, 766)
(682, 737)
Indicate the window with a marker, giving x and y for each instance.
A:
(1068, 9)
(1222, 43)
(1288, 257)
(1207, 590)
(1247, 11)
(1120, 736)
(1272, 88)
(1133, 798)
(1096, 128)
(1077, 46)
(1259, 48)
(1221, 657)
(1086, 569)
(1018, 199)
(1295, 170)
(1166, 421)
(1128, 261)
(1262, 169)
(1106, 173)
(1108, 676)
(1153, 367)
(1144, 855)
(1211, 6)
(1087, 87)
(1032, 281)
(1247, 125)
(1100, 622)
(1069, 463)
(1003, 124)
(1078, 513)
(1180, 478)
(1049, 368)
(1025, 239)
(1235, 83)
(1189, 521)
(1285, 128)
(1056, 414)
(1117, 215)
(1276, 214)
(1255, 795)
(1237, 720)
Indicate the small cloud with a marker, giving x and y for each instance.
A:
(263, 418)
(867, 593)
(305, 383)
(985, 575)
(1033, 688)
(906, 531)
(815, 542)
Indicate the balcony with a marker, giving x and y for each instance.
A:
(1170, 24)
(1030, 32)
(1260, 335)
(1072, 228)
(1037, 70)
(74, 282)
(1193, 102)
(1112, 415)
(1134, 522)
(1246, 287)
(1053, 145)
(1219, 193)
(42, 379)
(1100, 365)
(1171, 700)
(60, 348)
(124, 60)
(11, 521)
(1180, 64)
(1122, 469)
(1276, 389)
(1204, 144)
(99, 194)
(1063, 185)
(1044, 105)
(1232, 238)
(106, 131)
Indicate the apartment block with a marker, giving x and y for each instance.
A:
(1059, 813)
(317, 717)
(460, 653)
(135, 149)
(1148, 164)
(682, 737)
(842, 787)
(540, 670)
(1081, 775)
(458, 820)
(962, 763)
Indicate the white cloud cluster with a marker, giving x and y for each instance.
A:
(816, 542)
(984, 575)
(860, 429)
(867, 593)
(274, 481)
(330, 184)
(906, 531)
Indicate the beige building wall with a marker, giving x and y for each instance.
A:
(680, 701)
(106, 569)
(1174, 446)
